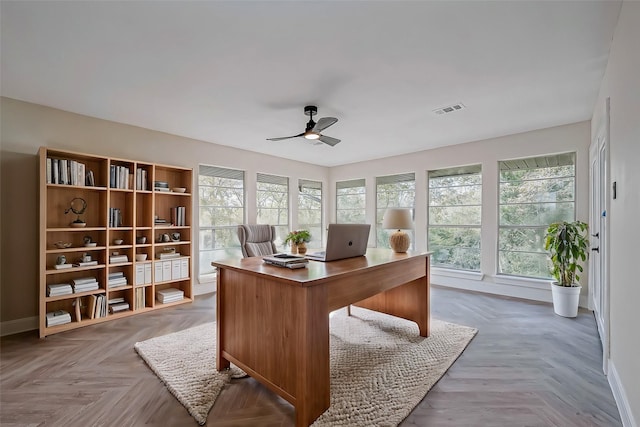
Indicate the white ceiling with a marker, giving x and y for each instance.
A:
(238, 72)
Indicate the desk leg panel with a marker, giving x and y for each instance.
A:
(279, 333)
(409, 301)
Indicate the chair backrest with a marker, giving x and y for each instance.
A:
(257, 240)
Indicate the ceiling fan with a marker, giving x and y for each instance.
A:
(313, 129)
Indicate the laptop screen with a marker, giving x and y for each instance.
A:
(344, 241)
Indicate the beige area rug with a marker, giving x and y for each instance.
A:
(380, 367)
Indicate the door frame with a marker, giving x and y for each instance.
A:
(599, 205)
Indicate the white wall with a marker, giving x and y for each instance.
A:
(568, 138)
(622, 85)
(25, 127)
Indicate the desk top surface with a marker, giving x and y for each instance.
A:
(318, 271)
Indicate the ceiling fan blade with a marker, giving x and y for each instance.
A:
(328, 140)
(324, 123)
(285, 137)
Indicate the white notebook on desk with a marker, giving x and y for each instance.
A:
(343, 241)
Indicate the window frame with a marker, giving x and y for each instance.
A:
(469, 170)
(281, 229)
(317, 236)
(524, 163)
(217, 172)
(359, 184)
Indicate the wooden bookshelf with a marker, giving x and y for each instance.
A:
(124, 215)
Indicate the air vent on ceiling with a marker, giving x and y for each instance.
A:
(450, 109)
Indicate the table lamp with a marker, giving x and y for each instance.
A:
(398, 219)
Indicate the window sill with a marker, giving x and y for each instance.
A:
(503, 279)
(458, 274)
(207, 278)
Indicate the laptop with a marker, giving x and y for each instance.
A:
(343, 241)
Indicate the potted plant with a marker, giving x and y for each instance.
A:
(298, 240)
(567, 244)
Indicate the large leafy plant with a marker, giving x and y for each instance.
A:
(567, 245)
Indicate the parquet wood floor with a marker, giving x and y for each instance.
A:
(526, 367)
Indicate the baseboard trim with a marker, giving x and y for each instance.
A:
(620, 397)
(16, 326)
(534, 291)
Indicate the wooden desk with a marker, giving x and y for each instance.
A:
(274, 322)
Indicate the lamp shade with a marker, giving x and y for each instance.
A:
(399, 219)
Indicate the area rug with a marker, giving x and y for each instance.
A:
(381, 368)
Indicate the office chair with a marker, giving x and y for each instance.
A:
(257, 239)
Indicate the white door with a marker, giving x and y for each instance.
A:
(598, 261)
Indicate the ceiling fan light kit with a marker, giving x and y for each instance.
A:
(313, 129)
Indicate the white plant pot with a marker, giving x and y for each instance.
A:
(565, 299)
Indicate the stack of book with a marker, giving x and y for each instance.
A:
(97, 306)
(286, 260)
(68, 172)
(85, 263)
(141, 179)
(59, 289)
(115, 217)
(161, 186)
(117, 305)
(117, 279)
(168, 255)
(178, 215)
(140, 298)
(119, 177)
(85, 284)
(58, 317)
(114, 259)
(169, 295)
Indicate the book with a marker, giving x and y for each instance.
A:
(58, 317)
(114, 259)
(91, 307)
(88, 279)
(86, 288)
(58, 289)
(116, 300)
(285, 260)
(168, 255)
(89, 179)
(169, 295)
(49, 170)
(85, 263)
(55, 171)
(62, 266)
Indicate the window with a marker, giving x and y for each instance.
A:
(272, 203)
(350, 202)
(310, 210)
(221, 193)
(455, 206)
(394, 191)
(534, 192)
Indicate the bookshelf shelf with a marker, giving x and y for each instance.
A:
(116, 192)
(75, 269)
(74, 229)
(169, 304)
(75, 249)
(75, 187)
(75, 295)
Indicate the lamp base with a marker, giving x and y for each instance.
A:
(399, 241)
